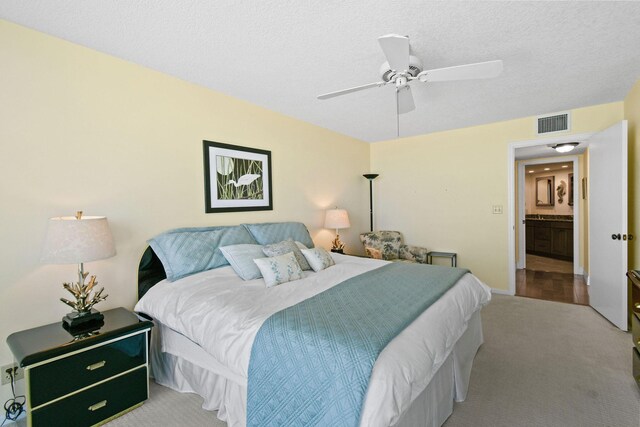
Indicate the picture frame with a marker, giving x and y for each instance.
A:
(236, 178)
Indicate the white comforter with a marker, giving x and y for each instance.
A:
(222, 313)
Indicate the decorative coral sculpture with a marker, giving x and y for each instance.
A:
(82, 292)
(337, 244)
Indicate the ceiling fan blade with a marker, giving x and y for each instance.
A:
(405, 100)
(350, 90)
(480, 70)
(396, 49)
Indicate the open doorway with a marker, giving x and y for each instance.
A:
(549, 249)
(602, 213)
(535, 154)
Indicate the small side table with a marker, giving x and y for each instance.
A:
(84, 379)
(451, 255)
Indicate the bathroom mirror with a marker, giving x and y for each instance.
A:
(545, 186)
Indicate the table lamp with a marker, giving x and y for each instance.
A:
(337, 218)
(76, 240)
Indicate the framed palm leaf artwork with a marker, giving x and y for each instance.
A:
(236, 178)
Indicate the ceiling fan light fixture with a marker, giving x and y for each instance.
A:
(415, 68)
(565, 147)
(402, 68)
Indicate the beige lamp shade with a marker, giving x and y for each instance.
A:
(74, 241)
(337, 219)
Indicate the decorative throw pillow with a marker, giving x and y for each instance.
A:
(241, 259)
(285, 247)
(279, 269)
(318, 258)
(373, 252)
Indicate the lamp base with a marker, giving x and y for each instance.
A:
(338, 251)
(75, 320)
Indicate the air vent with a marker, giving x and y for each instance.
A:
(553, 123)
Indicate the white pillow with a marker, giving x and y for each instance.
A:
(318, 258)
(279, 269)
(241, 259)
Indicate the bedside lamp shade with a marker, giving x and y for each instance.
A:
(76, 240)
(73, 241)
(337, 219)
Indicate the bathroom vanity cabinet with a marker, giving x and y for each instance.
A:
(550, 238)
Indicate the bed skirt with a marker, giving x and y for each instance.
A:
(181, 365)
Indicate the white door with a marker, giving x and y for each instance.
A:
(608, 223)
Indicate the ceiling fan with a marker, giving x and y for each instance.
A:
(403, 68)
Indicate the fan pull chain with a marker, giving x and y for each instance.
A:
(397, 115)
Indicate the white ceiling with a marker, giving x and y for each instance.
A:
(281, 54)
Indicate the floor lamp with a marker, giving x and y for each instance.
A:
(371, 177)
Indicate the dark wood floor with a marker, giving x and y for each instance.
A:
(552, 286)
(552, 280)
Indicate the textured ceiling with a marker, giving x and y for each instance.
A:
(281, 54)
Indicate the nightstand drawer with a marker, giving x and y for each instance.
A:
(63, 376)
(635, 330)
(95, 404)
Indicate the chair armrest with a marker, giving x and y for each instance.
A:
(414, 253)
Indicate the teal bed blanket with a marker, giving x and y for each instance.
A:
(310, 363)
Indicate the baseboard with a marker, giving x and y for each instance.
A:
(587, 279)
(501, 292)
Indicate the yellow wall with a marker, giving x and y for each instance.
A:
(83, 130)
(632, 114)
(438, 189)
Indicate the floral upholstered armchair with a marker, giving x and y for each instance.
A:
(390, 246)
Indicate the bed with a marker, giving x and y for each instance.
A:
(207, 322)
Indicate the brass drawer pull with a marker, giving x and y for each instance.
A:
(98, 405)
(96, 365)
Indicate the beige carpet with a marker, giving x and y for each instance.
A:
(543, 364)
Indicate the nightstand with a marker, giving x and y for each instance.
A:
(85, 379)
(451, 255)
